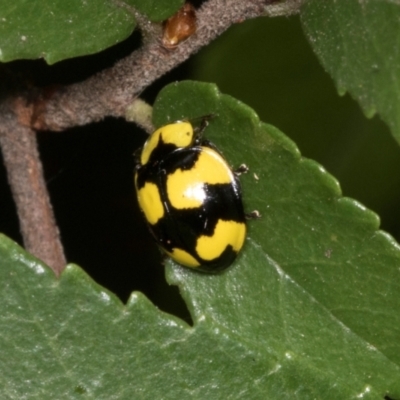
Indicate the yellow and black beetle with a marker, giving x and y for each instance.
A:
(191, 198)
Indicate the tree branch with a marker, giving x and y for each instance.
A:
(111, 91)
(25, 176)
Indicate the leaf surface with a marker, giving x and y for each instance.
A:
(357, 42)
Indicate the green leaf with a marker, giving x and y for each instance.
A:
(357, 42)
(59, 29)
(328, 245)
(308, 311)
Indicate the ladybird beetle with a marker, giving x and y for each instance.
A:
(190, 198)
(179, 27)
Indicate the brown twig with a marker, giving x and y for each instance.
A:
(25, 176)
(111, 91)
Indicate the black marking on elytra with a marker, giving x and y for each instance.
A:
(161, 151)
(180, 228)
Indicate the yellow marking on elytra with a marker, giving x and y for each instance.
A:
(150, 202)
(185, 188)
(184, 258)
(179, 133)
(225, 233)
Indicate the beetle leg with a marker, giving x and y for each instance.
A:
(255, 214)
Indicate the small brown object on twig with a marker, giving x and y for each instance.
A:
(179, 27)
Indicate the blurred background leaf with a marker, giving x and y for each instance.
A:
(357, 43)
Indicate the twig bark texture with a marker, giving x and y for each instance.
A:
(37, 224)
